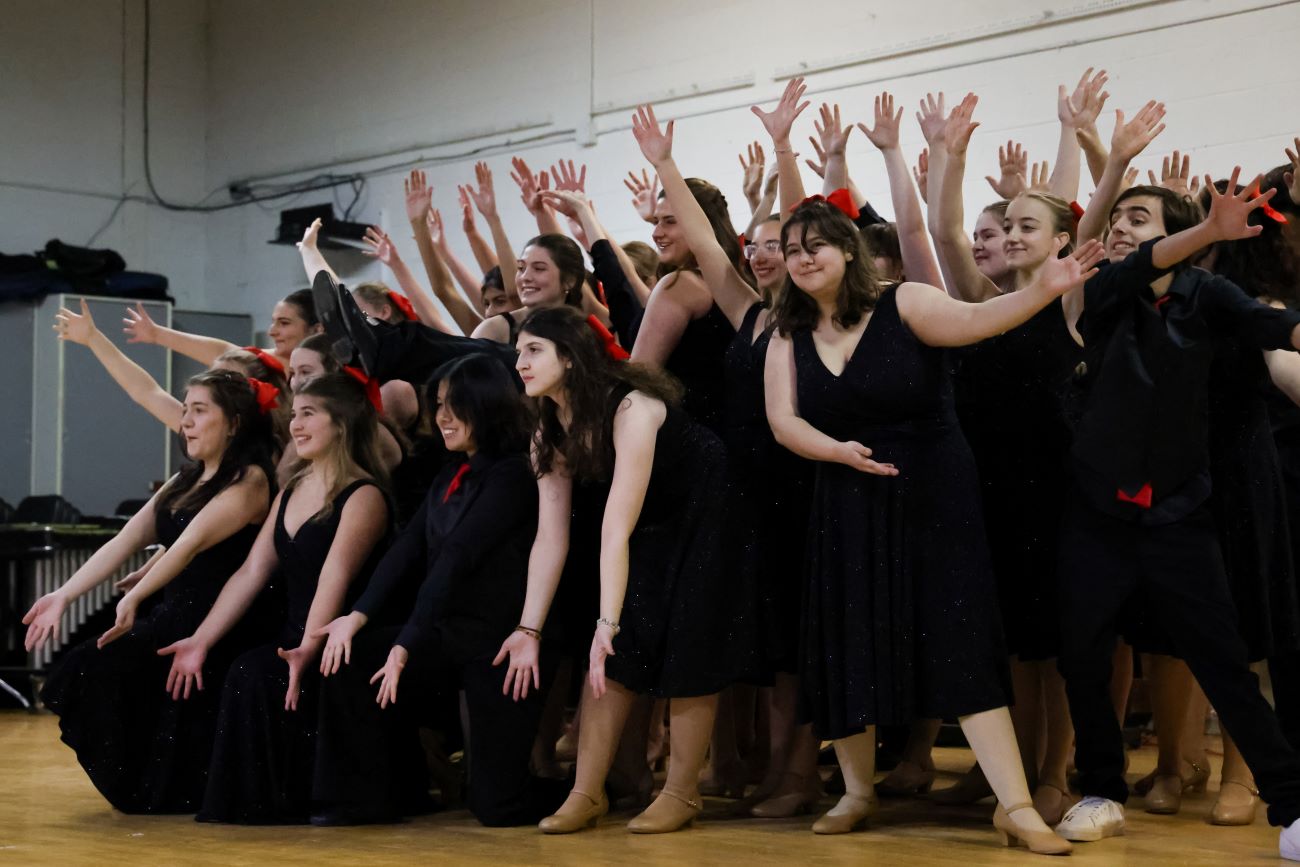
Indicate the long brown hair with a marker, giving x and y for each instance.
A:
(356, 452)
(591, 383)
(252, 365)
(250, 445)
(714, 205)
(567, 256)
(793, 309)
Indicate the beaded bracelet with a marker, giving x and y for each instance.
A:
(614, 627)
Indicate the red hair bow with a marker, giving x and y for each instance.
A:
(612, 349)
(265, 394)
(1077, 210)
(840, 199)
(372, 387)
(266, 358)
(1269, 211)
(402, 303)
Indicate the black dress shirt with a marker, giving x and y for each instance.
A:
(471, 541)
(1140, 452)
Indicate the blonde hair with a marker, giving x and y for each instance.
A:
(356, 448)
(1063, 218)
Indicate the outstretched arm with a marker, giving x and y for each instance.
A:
(733, 295)
(919, 263)
(313, 262)
(381, 247)
(483, 253)
(1129, 140)
(419, 202)
(134, 379)
(964, 279)
(778, 123)
(485, 199)
(139, 327)
(1076, 111)
(530, 188)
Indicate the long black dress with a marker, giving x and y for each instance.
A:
(1011, 391)
(144, 752)
(769, 495)
(680, 635)
(263, 757)
(900, 606)
(698, 362)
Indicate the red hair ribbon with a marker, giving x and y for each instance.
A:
(1142, 498)
(1077, 210)
(840, 199)
(266, 358)
(372, 387)
(612, 349)
(402, 303)
(265, 394)
(455, 481)
(1269, 211)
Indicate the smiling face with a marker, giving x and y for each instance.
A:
(304, 364)
(312, 428)
(539, 365)
(815, 266)
(1134, 220)
(668, 236)
(986, 246)
(1030, 235)
(539, 281)
(767, 263)
(456, 432)
(288, 328)
(205, 427)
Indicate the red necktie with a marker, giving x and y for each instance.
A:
(455, 481)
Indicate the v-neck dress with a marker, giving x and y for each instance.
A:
(900, 607)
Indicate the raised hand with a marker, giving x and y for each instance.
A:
(1040, 177)
(419, 195)
(338, 635)
(819, 165)
(752, 174)
(188, 656)
(570, 203)
(139, 326)
(957, 131)
(297, 660)
(921, 172)
(379, 245)
(521, 649)
(433, 224)
(884, 133)
(530, 185)
(779, 120)
(308, 241)
(484, 197)
(1131, 138)
(43, 620)
(1229, 211)
(656, 144)
(645, 193)
(389, 675)
(602, 646)
(1292, 178)
(1130, 177)
(858, 456)
(78, 328)
(834, 136)
(126, 608)
(567, 178)
(1058, 276)
(933, 118)
(466, 211)
(1080, 109)
(1176, 175)
(1013, 164)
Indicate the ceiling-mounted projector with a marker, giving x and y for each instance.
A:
(334, 234)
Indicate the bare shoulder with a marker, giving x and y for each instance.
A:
(640, 409)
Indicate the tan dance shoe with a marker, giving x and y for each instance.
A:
(1238, 808)
(1039, 842)
(1166, 795)
(669, 812)
(859, 810)
(568, 821)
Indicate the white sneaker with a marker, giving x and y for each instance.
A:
(1094, 818)
(1288, 844)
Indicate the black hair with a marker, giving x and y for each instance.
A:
(302, 299)
(793, 309)
(482, 393)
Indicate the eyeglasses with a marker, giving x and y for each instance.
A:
(771, 248)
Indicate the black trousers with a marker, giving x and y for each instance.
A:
(412, 351)
(366, 755)
(1104, 561)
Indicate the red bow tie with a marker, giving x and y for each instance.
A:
(455, 481)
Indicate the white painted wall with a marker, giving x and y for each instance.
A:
(248, 89)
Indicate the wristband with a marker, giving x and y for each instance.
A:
(614, 627)
(529, 631)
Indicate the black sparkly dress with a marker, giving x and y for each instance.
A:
(264, 756)
(679, 635)
(698, 362)
(900, 605)
(769, 495)
(1011, 392)
(145, 752)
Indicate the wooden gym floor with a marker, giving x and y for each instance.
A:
(50, 814)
